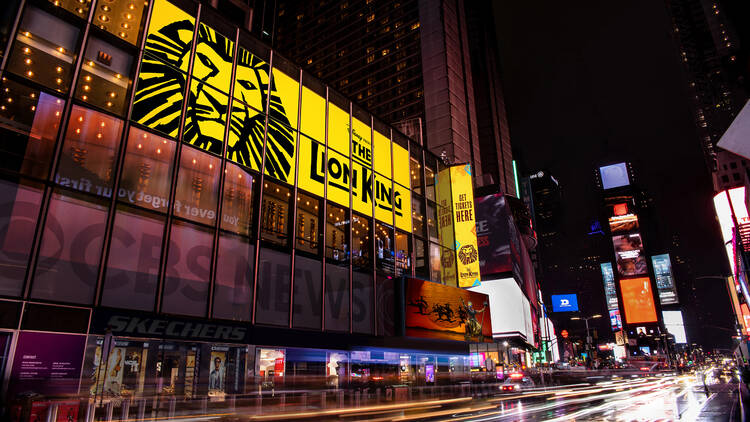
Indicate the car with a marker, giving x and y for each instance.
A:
(517, 382)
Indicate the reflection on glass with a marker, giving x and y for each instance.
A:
(308, 229)
(415, 170)
(363, 320)
(88, 155)
(421, 269)
(337, 298)
(435, 253)
(337, 235)
(432, 230)
(429, 175)
(70, 250)
(123, 18)
(45, 50)
(188, 270)
(147, 171)
(79, 8)
(233, 294)
(361, 243)
(274, 276)
(19, 211)
(274, 214)
(308, 303)
(403, 254)
(238, 206)
(384, 247)
(197, 186)
(133, 265)
(417, 216)
(29, 121)
(105, 76)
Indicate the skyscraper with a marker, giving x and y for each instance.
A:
(417, 64)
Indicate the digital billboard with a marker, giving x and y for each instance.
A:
(497, 236)
(638, 300)
(629, 254)
(623, 223)
(511, 310)
(610, 290)
(564, 303)
(615, 320)
(664, 279)
(434, 310)
(675, 326)
(614, 176)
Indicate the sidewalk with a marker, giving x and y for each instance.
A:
(723, 404)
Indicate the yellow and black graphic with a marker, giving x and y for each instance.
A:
(468, 254)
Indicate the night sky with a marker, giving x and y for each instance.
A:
(591, 83)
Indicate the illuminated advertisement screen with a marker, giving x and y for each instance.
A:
(664, 280)
(675, 326)
(499, 241)
(638, 300)
(614, 176)
(629, 254)
(615, 320)
(610, 290)
(623, 223)
(564, 303)
(465, 226)
(434, 310)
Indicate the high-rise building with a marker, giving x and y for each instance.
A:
(412, 63)
(713, 48)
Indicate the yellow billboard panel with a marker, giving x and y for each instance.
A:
(445, 208)
(338, 178)
(402, 207)
(170, 34)
(313, 118)
(464, 225)
(287, 90)
(401, 165)
(361, 188)
(361, 142)
(312, 166)
(383, 192)
(338, 129)
(382, 149)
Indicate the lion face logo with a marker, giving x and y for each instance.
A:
(162, 85)
(468, 254)
(447, 258)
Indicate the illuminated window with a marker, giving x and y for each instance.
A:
(79, 8)
(415, 170)
(122, 18)
(402, 254)
(384, 255)
(337, 235)
(414, 26)
(238, 204)
(274, 214)
(105, 76)
(308, 230)
(147, 171)
(361, 243)
(197, 190)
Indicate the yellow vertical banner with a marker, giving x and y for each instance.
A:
(445, 226)
(464, 225)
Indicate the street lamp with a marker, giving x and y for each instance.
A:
(586, 320)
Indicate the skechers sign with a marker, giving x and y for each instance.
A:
(564, 303)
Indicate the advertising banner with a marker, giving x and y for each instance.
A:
(435, 310)
(47, 364)
(564, 303)
(610, 290)
(664, 279)
(623, 223)
(614, 176)
(615, 320)
(511, 316)
(638, 300)
(464, 225)
(674, 324)
(629, 254)
(499, 240)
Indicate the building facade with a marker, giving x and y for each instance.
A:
(186, 206)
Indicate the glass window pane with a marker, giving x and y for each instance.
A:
(123, 18)
(19, 212)
(233, 295)
(87, 161)
(429, 175)
(273, 288)
(29, 121)
(274, 214)
(105, 76)
(45, 50)
(363, 315)
(308, 283)
(337, 298)
(7, 20)
(337, 235)
(80, 8)
(70, 250)
(384, 247)
(158, 96)
(362, 243)
(239, 200)
(170, 34)
(245, 140)
(338, 128)
(251, 80)
(313, 114)
(188, 270)
(133, 265)
(432, 230)
(308, 231)
(147, 171)
(421, 268)
(415, 169)
(417, 212)
(403, 254)
(206, 117)
(197, 186)
(286, 86)
(435, 254)
(386, 318)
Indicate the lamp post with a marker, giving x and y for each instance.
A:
(586, 320)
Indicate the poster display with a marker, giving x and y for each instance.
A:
(464, 226)
(638, 300)
(610, 290)
(664, 279)
(217, 371)
(47, 364)
(629, 254)
(623, 223)
(614, 176)
(565, 303)
(435, 310)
